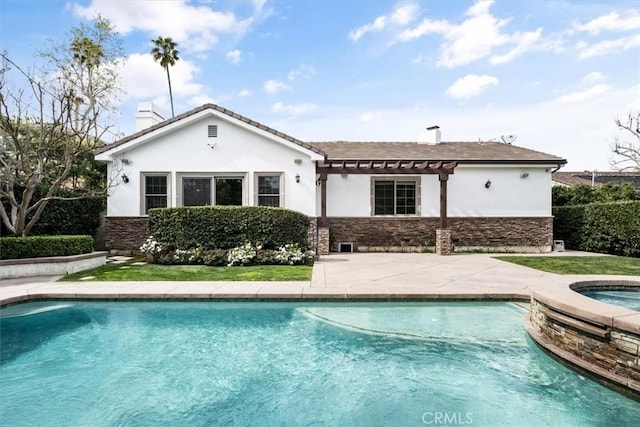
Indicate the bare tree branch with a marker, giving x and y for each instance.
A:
(627, 150)
(57, 123)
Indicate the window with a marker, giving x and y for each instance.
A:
(268, 190)
(395, 197)
(229, 191)
(199, 190)
(196, 191)
(156, 192)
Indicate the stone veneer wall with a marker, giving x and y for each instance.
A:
(416, 231)
(617, 354)
(126, 233)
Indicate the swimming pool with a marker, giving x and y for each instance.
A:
(267, 363)
(629, 298)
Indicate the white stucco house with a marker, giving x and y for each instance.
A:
(366, 195)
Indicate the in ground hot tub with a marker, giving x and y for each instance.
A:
(596, 337)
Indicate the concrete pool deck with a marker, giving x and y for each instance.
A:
(365, 276)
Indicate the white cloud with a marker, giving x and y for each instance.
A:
(144, 79)
(244, 93)
(593, 77)
(611, 22)
(234, 56)
(275, 86)
(582, 133)
(471, 86)
(202, 99)
(293, 109)
(478, 36)
(418, 59)
(523, 42)
(304, 71)
(582, 95)
(195, 28)
(606, 47)
(402, 15)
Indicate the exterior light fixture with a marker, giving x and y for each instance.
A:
(125, 178)
(297, 177)
(524, 175)
(487, 184)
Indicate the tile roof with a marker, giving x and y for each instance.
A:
(462, 152)
(600, 178)
(197, 110)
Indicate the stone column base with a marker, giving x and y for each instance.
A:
(444, 245)
(323, 241)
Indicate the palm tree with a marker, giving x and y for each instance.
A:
(166, 53)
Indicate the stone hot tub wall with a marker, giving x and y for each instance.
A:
(533, 233)
(596, 337)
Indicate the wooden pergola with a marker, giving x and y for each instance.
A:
(376, 167)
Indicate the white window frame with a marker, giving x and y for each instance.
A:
(212, 176)
(395, 178)
(256, 186)
(143, 189)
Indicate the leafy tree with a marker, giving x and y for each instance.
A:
(583, 194)
(628, 150)
(165, 52)
(51, 122)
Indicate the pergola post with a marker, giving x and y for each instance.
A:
(323, 225)
(444, 245)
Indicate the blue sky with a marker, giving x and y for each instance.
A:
(554, 73)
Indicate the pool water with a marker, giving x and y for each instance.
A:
(243, 363)
(629, 299)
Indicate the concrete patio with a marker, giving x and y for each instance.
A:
(374, 276)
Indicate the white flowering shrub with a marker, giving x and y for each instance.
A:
(242, 255)
(151, 247)
(292, 254)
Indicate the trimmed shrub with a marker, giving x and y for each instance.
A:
(228, 227)
(612, 228)
(65, 217)
(71, 217)
(568, 222)
(44, 246)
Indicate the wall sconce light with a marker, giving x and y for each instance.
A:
(298, 177)
(125, 161)
(524, 175)
(487, 184)
(125, 178)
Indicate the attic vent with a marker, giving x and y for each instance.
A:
(213, 131)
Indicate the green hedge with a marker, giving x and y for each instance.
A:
(226, 227)
(612, 228)
(71, 217)
(44, 246)
(66, 217)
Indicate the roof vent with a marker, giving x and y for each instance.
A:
(212, 131)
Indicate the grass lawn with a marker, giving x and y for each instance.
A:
(579, 264)
(153, 272)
